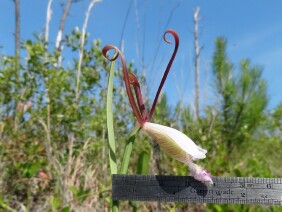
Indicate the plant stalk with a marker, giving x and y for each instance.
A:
(128, 150)
(110, 127)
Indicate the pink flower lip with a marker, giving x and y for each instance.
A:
(203, 176)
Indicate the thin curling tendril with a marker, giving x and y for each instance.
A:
(126, 79)
(176, 40)
(165, 39)
(106, 49)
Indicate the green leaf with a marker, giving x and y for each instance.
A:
(218, 208)
(55, 202)
(66, 209)
(110, 124)
(128, 150)
(83, 194)
(74, 190)
(143, 163)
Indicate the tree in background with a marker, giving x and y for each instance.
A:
(17, 35)
(197, 61)
(242, 96)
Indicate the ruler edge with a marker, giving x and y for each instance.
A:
(214, 178)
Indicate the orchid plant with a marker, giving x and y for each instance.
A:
(172, 142)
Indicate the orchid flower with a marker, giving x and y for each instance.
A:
(172, 142)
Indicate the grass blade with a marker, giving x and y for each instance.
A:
(110, 127)
(128, 150)
(110, 124)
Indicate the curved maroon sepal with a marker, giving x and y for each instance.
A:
(176, 41)
(126, 79)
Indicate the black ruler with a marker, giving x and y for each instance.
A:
(225, 190)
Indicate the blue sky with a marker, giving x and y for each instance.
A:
(253, 29)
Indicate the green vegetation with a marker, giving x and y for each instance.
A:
(54, 135)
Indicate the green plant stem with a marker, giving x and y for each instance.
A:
(115, 206)
(128, 150)
(111, 135)
(110, 124)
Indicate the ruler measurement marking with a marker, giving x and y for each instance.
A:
(232, 190)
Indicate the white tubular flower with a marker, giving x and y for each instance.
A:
(180, 147)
